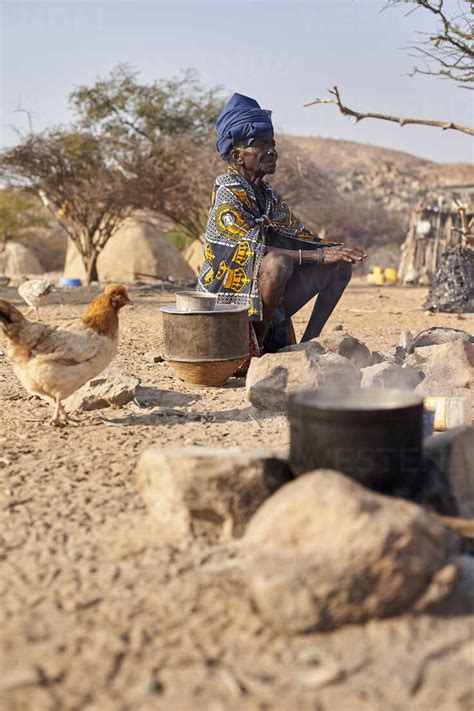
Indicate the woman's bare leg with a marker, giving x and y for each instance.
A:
(275, 271)
(328, 281)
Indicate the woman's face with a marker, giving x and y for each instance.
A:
(260, 158)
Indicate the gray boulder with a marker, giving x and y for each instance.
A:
(309, 346)
(206, 493)
(437, 335)
(112, 388)
(449, 472)
(390, 375)
(273, 377)
(348, 346)
(446, 367)
(324, 552)
(382, 357)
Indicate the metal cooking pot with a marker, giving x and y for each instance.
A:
(197, 336)
(195, 301)
(374, 436)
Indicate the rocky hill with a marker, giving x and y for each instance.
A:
(390, 178)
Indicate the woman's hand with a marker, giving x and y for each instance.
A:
(332, 255)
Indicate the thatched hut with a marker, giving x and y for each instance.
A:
(17, 260)
(194, 255)
(138, 251)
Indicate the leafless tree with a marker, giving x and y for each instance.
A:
(447, 53)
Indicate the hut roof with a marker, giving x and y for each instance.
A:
(138, 251)
(16, 260)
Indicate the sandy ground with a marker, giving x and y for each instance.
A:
(97, 614)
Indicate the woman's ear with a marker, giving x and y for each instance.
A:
(236, 156)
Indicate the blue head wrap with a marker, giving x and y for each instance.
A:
(241, 119)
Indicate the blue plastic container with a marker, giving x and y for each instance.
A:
(428, 423)
(65, 281)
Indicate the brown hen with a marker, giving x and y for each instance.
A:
(54, 363)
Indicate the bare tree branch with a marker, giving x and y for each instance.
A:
(402, 121)
(449, 46)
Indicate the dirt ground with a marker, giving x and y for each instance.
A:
(97, 614)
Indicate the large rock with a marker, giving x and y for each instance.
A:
(449, 472)
(201, 492)
(348, 346)
(273, 377)
(324, 552)
(309, 346)
(390, 375)
(112, 388)
(446, 367)
(437, 335)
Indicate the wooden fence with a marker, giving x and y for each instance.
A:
(431, 232)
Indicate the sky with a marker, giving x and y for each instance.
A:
(281, 52)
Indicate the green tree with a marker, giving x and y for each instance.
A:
(132, 146)
(18, 214)
(122, 107)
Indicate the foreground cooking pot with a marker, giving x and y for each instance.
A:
(374, 436)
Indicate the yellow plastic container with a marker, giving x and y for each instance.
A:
(377, 276)
(449, 412)
(390, 275)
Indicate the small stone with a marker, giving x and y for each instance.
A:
(207, 493)
(436, 336)
(390, 375)
(18, 678)
(400, 355)
(406, 341)
(153, 357)
(113, 388)
(320, 676)
(348, 346)
(273, 377)
(382, 357)
(324, 551)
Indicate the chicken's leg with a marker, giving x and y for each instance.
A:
(33, 311)
(58, 411)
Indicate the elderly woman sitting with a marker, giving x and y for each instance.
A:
(257, 253)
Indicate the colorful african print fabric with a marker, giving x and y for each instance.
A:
(237, 236)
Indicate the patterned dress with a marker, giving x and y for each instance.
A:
(237, 236)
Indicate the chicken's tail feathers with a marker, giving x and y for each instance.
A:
(9, 314)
